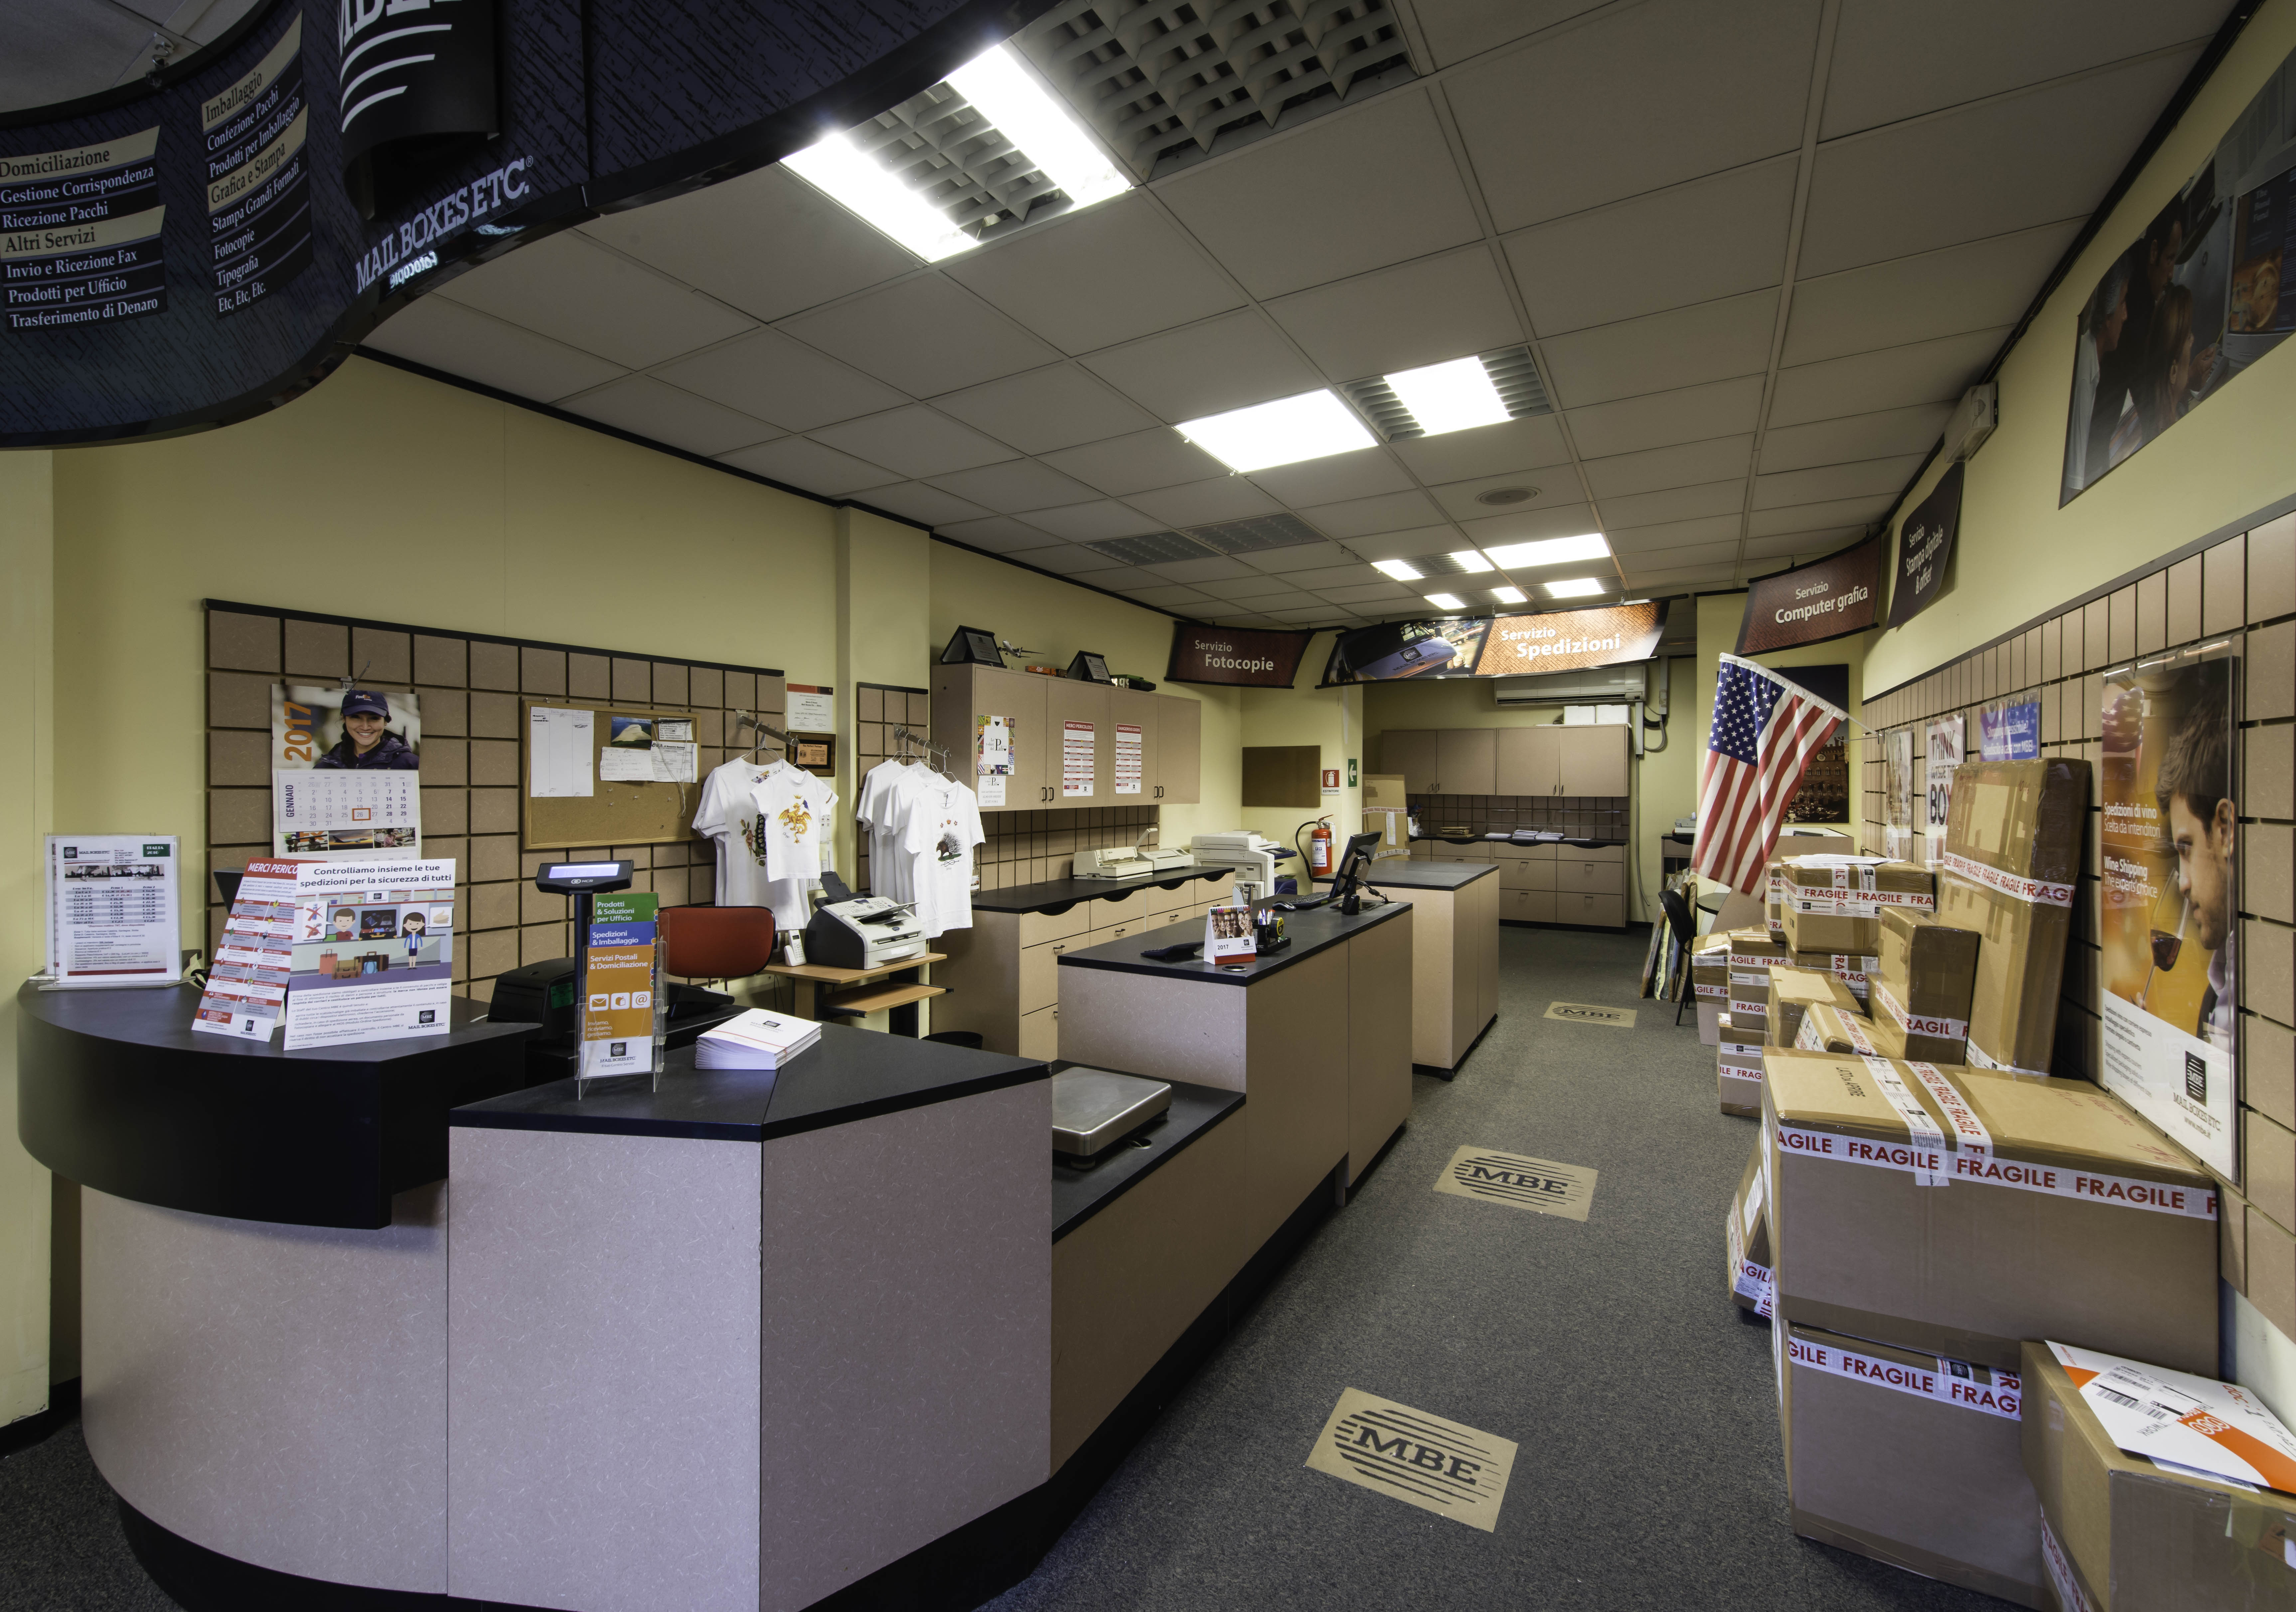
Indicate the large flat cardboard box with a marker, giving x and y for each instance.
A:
(1738, 1069)
(2127, 1535)
(1746, 1241)
(2009, 870)
(1912, 1459)
(1834, 903)
(1928, 972)
(1384, 791)
(1794, 991)
(1961, 1212)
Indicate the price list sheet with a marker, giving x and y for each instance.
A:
(112, 910)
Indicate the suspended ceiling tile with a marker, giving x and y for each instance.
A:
(1831, 481)
(732, 239)
(1984, 170)
(1202, 503)
(1171, 596)
(1688, 346)
(1056, 407)
(478, 347)
(1314, 615)
(1642, 561)
(1071, 558)
(574, 291)
(1362, 517)
(1925, 371)
(1014, 487)
(1249, 586)
(1982, 285)
(1108, 274)
(645, 408)
(1676, 503)
(1675, 533)
(1525, 526)
(1002, 535)
(1222, 363)
(1370, 184)
(1685, 465)
(1322, 579)
(1691, 413)
(1404, 545)
(1368, 592)
(1893, 62)
(1534, 444)
(1644, 97)
(926, 335)
(1456, 29)
(1819, 517)
(768, 374)
(1264, 623)
(1429, 311)
(914, 501)
(1215, 569)
(1092, 521)
(1307, 557)
(1628, 259)
(1690, 576)
(915, 440)
(1798, 545)
(1334, 478)
(1877, 436)
(1134, 463)
(804, 463)
(1459, 499)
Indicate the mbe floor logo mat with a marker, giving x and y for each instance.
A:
(1538, 1184)
(1588, 1012)
(1420, 1460)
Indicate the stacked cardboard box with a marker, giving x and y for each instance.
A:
(1710, 983)
(1738, 1069)
(1927, 976)
(1828, 1030)
(1752, 956)
(1834, 903)
(1854, 972)
(2009, 872)
(1746, 1236)
(1794, 991)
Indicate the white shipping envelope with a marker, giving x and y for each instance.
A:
(2217, 1429)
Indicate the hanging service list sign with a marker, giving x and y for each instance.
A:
(80, 234)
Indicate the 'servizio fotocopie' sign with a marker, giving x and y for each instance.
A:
(1246, 657)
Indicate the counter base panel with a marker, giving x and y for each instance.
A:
(1441, 1072)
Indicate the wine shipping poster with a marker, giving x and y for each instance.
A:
(2171, 909)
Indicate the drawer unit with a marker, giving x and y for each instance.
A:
(1040, 1034)
(1591, 878)
(1527, 875)
(1114, 911)
(1040, 986)
(1038, 928)
(1603, 911)
(1526, 906)
(1590, 852)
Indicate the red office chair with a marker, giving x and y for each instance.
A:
(714, 942)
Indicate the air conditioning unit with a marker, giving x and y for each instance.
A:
(1973, 420)
(1597, 685)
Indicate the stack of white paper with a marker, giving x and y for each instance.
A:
(757, 1040)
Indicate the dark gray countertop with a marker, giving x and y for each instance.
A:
(1311, 932)
(847, 1075)
(1401, 875)
(1060, 894)
(1078, 1195)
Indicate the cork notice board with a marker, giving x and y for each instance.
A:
(615, 814)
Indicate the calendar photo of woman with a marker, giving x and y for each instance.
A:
(346, 772)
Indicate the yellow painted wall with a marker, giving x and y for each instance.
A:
(2018, 554)
(26, 549)
(1331, 720)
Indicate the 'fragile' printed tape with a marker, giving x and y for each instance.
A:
(2033, 892)
(1999, 1397)
(1978, 1059)
(1970, 1139)
(1924, 1024)
(2071, 1596)
(1810, 1039)
(1867, 904)
(2196, 1203)
(1750, 1010)
(1721, 992)
(1927, 1137)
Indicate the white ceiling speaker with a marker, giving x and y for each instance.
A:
(1503, 497)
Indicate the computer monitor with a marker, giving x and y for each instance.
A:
(1355, 862)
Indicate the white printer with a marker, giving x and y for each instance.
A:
(1253, 857)
(1159, 859)
(849, 931)
(1110, 862)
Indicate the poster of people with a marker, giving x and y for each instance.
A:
(2171, 918)
(1946, 738)
(346, 772)
(1899, 786)
(2204, 292)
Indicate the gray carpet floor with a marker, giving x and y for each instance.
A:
(1649, 1474)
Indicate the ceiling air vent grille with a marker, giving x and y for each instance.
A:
(1514, 374)
(1156, 548)
(1376, 401)
(1157, 78)
(1257, 534)
(940, 146)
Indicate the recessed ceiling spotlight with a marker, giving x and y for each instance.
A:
(1312, 425)
(1449, 601)
(1550, 551)
(1502, 497)
(1451, 396)
(1472, 559)
(1575, 587)
(1508, 595)
(1402, 570)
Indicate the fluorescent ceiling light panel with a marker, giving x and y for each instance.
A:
(1449, 396)
(1508, 595)
(1472, 559)
(1552, 551)
(1010, 96)
(1314, 425)
(852, 179)
(1402, 570)
(1575, 587)
(1449, 601)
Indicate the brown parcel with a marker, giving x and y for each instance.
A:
(1909, 1458)
(1838, 908)
(1738, 1069)
(2135, 1537)
(1752, 954)
(1829, 1029)
(1929, 968)
(1710, 968)
(1852, 969)
(2011, 867)
(1746, 1241)
(1794, 991)
(2074, 1221)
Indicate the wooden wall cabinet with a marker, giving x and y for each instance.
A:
(1171, 771)
(1466, 761)
(1409, 753)
(1547, 759)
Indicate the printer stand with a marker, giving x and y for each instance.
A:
(897, 987)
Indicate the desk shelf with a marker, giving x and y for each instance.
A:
(883, 996)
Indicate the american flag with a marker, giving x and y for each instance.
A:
(1766, 732)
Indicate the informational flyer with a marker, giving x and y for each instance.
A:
(246, 978)
(374, 952)
(619, 982)
(993, 758)
(2171, 918)
(259, 184)
(1902, 829)
(627, 756)
(80, 234)
(112, 906)
(560, 744)
(812, 708)
(1079, 743)
(346, 773)
(1127, 759)
(1944, 754)
(2010, 732)
(676, 756)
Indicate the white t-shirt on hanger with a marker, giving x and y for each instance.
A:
(771, 827)
(944, 828)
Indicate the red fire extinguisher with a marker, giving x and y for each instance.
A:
(1319, 849)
